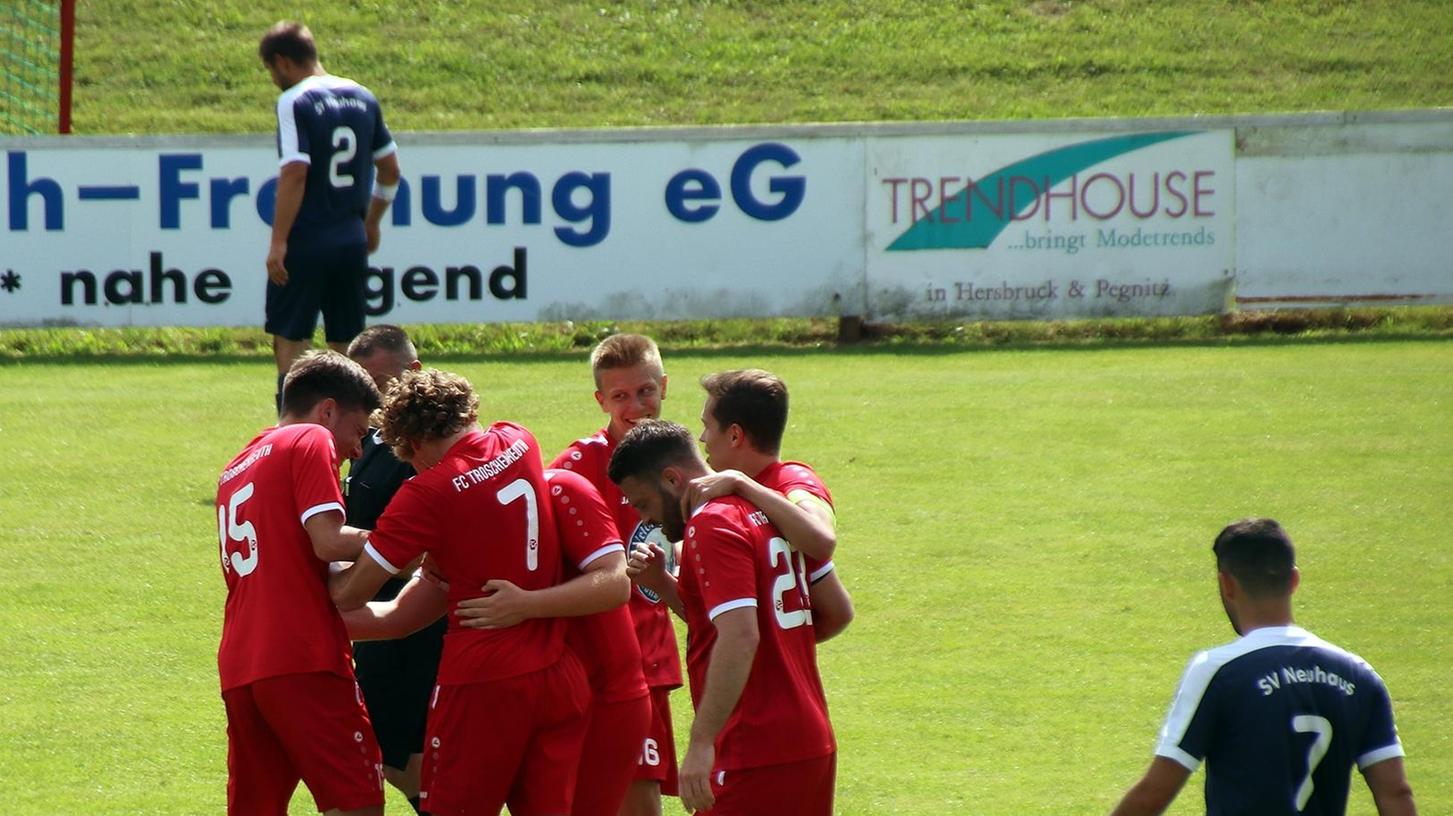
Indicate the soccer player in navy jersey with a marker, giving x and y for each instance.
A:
(1279, 716)
(331, 139)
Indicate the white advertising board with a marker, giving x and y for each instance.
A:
(151, 236)
(1051, 226)
(1075, 218)
(1352, 214)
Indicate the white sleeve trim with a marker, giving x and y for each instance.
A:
(287, 133)
(1374, 757)
(385, 151)
(1177, 755)
(820, 573)
(617, 547)
(326, 507)
(740, 603)
(382, 562)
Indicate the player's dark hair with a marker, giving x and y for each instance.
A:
(288, 39)
(425, 405)
(320, 375)
(382, 337)
(1258, 553)
(754, 399)
(650, 447)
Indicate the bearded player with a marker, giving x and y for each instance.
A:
(761, 741)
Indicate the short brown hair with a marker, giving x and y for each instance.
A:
(1258, 553)
(288, 39)
(382, 337)
(624, 351)
(754, 399)
(425, 405)
(320, 375)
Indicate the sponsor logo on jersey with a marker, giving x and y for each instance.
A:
(648, 533)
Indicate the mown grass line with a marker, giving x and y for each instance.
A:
(453, 340)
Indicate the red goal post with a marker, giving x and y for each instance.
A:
(37, 48)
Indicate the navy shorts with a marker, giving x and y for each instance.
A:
(328, 281)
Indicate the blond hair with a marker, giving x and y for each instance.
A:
(625, 351)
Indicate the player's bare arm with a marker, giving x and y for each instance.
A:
(1388, 782)
(832, 607)
(292, 179)
(647, 568)
(1155, 791)
(808, 525)
(386, 183)
(421, 602)
(601, 585)
(726, 676)
(332, 539)
(355, 586)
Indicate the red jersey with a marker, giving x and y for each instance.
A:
(793, 480)
(734, 558)
(606, 641)
(590, 457)
(279, 618)
(481, 514)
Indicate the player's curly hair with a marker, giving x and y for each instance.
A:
(425, 405)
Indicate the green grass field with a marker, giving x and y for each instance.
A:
(190, 66)
(1026, 530)
(1026, 533)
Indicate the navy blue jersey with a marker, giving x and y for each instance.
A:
(335, 126)
(1279, 716)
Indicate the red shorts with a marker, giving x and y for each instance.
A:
(608, 762)
(657, 760)
(800, 788)
(515, 741)
(310, 727)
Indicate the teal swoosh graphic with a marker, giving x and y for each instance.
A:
(930, 232)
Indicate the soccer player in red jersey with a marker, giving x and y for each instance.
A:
(761, 741)
(630, 383)
(742, 422)
(620, 712)
(508, 716)
(605, 641)
(293, 709)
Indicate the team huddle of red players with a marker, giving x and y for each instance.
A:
(552, 692)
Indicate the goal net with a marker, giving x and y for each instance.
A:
(35, 65)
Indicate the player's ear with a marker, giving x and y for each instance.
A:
(663, 386)
(1229, 588)
(600, 400)
(415, 365)
(1295, 582)
(736, 435)
(327, 410)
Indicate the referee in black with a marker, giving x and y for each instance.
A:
(397, 676)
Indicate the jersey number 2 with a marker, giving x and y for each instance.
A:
(345, 147)
(794, 578)
(1322, 727)
(229, 530)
